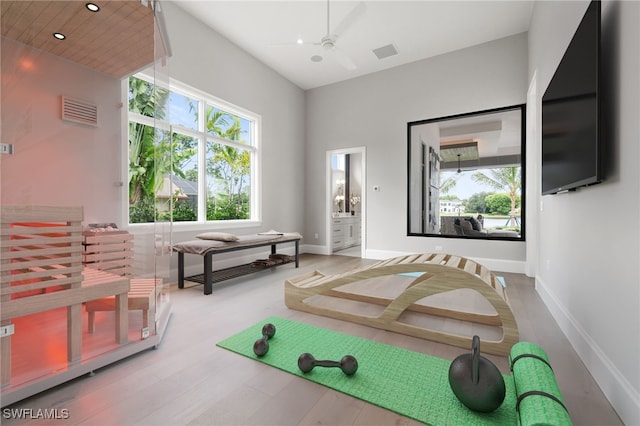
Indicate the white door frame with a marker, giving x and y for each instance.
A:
(363, 197)
(533, 156)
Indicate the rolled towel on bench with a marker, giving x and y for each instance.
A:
(265, 263)
(539, 401)
(281, 257)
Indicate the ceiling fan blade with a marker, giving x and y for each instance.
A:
(343, 59)
(295, 43)
(349, 19)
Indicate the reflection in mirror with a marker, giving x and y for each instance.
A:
(466, 175)
(346, 172)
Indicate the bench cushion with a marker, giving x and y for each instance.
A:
(202, 247)
(217, 236)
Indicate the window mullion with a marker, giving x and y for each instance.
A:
(149, 121)
(202, 163)
(228, 142)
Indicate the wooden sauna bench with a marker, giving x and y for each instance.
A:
(41, 269)
(207, 248)
(112, 251)
(141, 297)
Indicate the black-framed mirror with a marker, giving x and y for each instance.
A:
(466, 175)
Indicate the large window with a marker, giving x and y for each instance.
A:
(466, 175)
(192, 158)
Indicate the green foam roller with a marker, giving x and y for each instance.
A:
(538, 398)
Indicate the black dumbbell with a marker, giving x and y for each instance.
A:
(261, 346)
(348, 364)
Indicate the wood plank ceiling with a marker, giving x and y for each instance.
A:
(118, 40)
(467, 151)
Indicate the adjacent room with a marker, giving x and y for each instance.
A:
(416, 193)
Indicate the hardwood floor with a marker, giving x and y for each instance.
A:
(188, 380)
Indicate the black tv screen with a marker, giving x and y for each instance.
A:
(571, 140)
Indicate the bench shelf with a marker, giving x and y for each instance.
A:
(234, 272)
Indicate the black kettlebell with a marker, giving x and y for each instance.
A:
(476, 381)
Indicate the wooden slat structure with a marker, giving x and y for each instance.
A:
(433, 274)
(141, 297)
(41, 269)
(112, 251)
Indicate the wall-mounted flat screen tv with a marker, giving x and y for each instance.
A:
(571, 130)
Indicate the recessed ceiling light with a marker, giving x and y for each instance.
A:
(299, 41)
(316, 58)
(93, 7)
(59, 36)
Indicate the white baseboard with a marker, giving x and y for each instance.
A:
(314, 249)
(620, 393)
(495, 265)
(383, 254)
(501, 265)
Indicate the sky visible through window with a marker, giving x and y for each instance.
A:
(465, 186)
(180, 111)
(183, 112)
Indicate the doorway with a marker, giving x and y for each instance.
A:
(346, 205)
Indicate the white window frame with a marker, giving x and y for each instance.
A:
(254, 148)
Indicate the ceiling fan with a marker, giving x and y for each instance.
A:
(328, 42)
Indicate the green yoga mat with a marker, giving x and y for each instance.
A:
(409, 383)
(541, 403)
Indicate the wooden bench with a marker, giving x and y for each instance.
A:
(41, 270)
(141, 297)
(112, 251)
(207, 248)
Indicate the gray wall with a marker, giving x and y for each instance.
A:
(59, 163)
(585, 245)
(588, 245)
(205, 60)
(373, 111)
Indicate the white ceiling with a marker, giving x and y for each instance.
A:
(419, 29)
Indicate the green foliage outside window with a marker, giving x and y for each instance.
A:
(143, 211)
(154, 155)
(227, 208)
(498, 204)
(145, 169)
(506, 178)
(182, 212)
(228, 168)
(477, 203)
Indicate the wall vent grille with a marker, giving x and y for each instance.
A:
(78, 111)
(385, 51)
